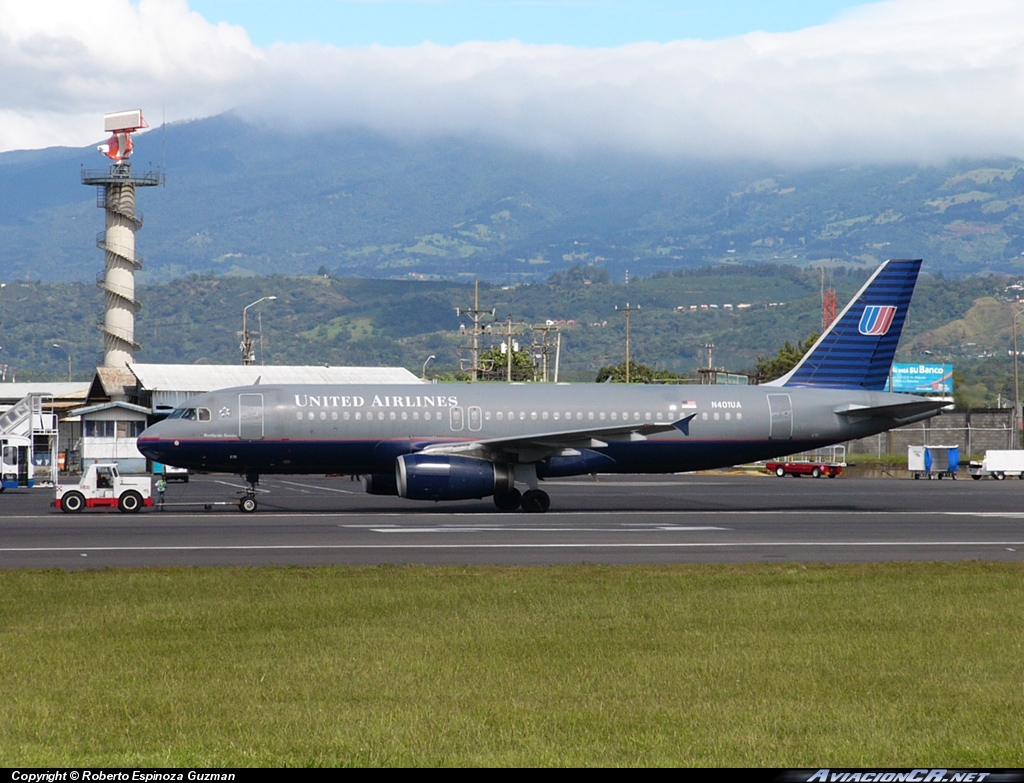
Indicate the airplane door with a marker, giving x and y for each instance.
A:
(781, 409)
(250, 416)
(456, 419)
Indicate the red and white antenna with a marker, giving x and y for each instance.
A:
(122, 124)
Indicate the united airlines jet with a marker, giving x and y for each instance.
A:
(465, 441)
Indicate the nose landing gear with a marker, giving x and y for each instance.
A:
(247, 504)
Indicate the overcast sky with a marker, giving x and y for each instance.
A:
(917, 80)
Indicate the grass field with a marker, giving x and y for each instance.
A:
(900, 664)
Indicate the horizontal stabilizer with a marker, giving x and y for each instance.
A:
(900, 411)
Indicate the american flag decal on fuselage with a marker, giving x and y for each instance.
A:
(876, 320)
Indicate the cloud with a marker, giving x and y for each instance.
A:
(908, 80)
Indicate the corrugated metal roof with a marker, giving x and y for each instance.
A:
(105, 406)
(198, 378)
(116, 381)
(12, 392)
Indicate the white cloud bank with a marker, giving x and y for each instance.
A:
(901, 80)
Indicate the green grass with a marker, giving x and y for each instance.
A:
(893, 665)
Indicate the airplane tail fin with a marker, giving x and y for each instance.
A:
(857, 350)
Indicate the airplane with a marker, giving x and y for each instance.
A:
(469, 441)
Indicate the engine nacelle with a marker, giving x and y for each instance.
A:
(444, 477)
(381, 484)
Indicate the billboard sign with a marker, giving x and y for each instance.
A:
(922, 379)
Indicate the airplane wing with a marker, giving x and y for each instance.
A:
(561, 443)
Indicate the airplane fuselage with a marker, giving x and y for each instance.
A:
(363, 429)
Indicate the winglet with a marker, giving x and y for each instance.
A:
(857, 350)
(683, 425)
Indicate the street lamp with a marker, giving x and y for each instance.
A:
(248, 354)
(423, 375)
(61, 347)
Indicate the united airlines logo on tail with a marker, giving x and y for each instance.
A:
(876, 320)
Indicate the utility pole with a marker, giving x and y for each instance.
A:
(508, 347)
(475, 315)
(628, 311)
(1016, 387)
(545, 347)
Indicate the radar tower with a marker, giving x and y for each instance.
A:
(115, 193)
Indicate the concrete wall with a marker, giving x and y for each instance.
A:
(973, 431)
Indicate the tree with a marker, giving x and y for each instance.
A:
(494, 365)
(638, 373)
(768, 369)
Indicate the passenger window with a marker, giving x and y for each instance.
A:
(556, 415)
(323, 415)
(345, 415)
(544, 415)
(500, 415)
(298, 415)
(391, 416)
(426, 416)
(615, 416)
(602, 416)
(533, 415)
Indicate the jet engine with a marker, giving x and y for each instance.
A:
(445, 477)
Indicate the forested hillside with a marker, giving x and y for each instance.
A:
(745, 312)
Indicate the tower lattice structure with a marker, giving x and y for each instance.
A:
(115, 194)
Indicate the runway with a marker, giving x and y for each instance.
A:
(707, 518)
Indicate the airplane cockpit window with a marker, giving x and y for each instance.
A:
(188, 413)
(204, 414)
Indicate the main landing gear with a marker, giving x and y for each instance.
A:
(533, 501)
(247, 503)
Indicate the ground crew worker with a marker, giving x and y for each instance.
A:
(161, 487)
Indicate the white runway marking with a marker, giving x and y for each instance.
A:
(634, 545)
(513, 529)
(236, 486)
(325, 489)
